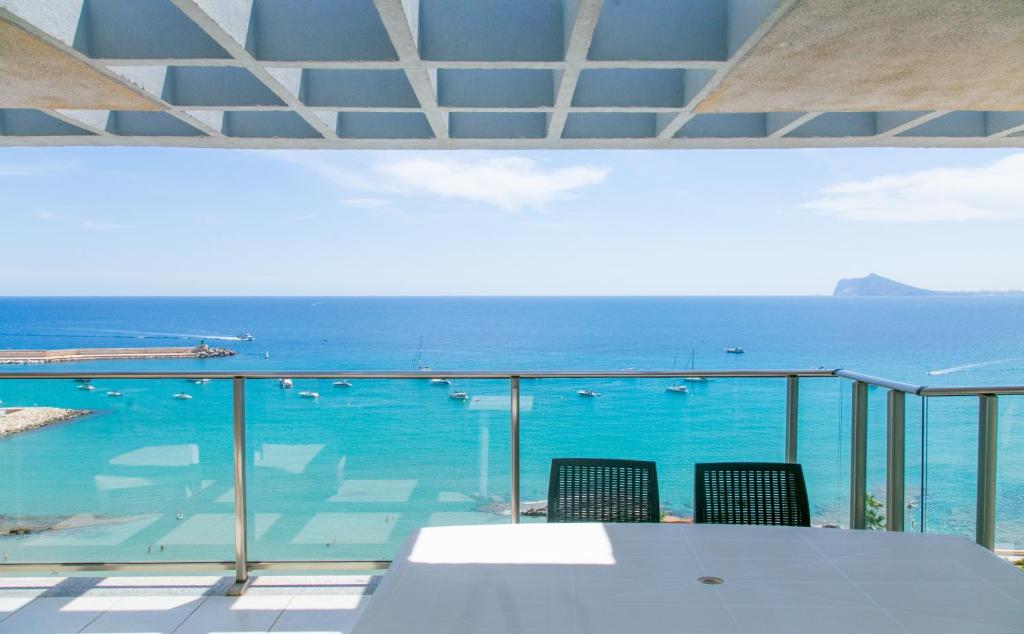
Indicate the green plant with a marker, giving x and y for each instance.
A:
(874, 515)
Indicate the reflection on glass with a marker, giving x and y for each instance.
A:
(137, 479)
(350, 474)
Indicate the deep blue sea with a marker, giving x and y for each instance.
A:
(347, 475)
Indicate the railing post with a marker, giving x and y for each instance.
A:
(858, 455)
(895, 460)
(792, 409)
(514, 445)
(988, 420)
(241, 535)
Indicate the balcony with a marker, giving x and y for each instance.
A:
(218, 482)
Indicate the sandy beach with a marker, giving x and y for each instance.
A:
(18, 419)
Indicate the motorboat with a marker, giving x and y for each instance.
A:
(458, 396)
(246, 336)
(587, 393)
(181, 396)
(309, 394)
(199, 381)
(734, 350)
(440, 381)
(114, 393)
(83, 380)
(677, 389)
(285, 383)
(343, 383)
(86, 386)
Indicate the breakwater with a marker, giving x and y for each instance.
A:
(28, 357)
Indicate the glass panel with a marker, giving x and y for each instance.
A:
(716, 420)
(137, 479)
(878, 409)
(914, 474)
(951, 452)
(823, 449)
(346, 474)
(1010, 475)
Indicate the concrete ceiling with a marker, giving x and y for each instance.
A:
(512, 73)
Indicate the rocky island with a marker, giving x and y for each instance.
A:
(873, 285)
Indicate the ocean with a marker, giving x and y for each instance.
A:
(148, 477)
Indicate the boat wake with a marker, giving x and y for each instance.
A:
(969, 366)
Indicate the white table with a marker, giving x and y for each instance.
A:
(624, 578)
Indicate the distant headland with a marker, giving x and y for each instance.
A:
(873, 285)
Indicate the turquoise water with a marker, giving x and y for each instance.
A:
(346, 476)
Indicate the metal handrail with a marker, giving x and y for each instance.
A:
(901, 386)
(416, 374)
(895, 419)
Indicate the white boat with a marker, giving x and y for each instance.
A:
(587, 393)
(86, 386)
(309, 394)
(285, 383)
(266, 355)
(181, 396)
(114, 393)
(246, 336)
(343, 383)
(418, 361)
(734, 350)
(678, 389)
(440, 381)
(458, 396)
(199, 381)
(690, 365)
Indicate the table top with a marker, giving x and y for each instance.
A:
(652, 578)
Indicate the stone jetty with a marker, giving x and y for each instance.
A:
(18, 419)
(29, 357)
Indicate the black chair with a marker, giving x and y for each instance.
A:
(764, 493)
(601, 490)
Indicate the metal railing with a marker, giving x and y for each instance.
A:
(895, 460)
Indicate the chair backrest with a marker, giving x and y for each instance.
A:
(766, 493)
(602, 490)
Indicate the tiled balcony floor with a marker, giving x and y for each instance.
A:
(180, 605)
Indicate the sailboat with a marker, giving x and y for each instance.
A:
(676, 388)
(456, 394)
(420, 364)
(690, 365)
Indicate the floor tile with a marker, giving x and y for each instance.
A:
(152, 615)
(325, 613)
(56, 615)
(231, 614)
(10, 605)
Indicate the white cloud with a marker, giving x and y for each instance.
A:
(507, 183)
(30, 169)
(989, 192)
(366, 202)
(45, 215)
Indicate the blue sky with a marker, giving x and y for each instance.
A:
(167, 221)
